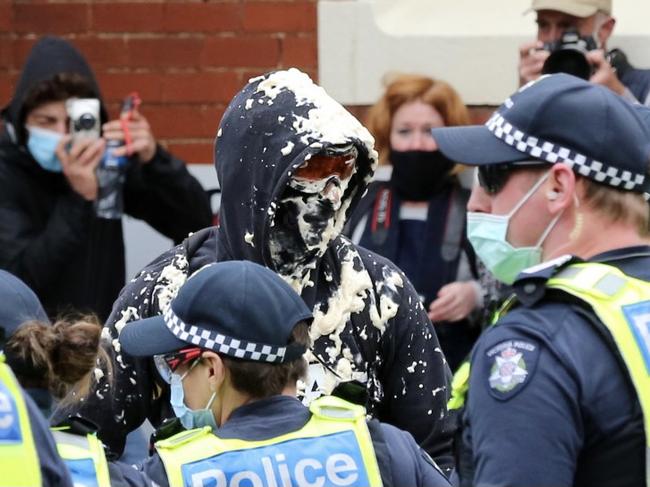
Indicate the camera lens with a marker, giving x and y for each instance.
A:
(86, 121)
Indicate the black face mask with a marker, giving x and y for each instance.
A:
(418, 175)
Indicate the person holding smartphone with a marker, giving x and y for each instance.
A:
(50, 234)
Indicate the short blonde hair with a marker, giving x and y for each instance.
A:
(618, 205)
(406, 88)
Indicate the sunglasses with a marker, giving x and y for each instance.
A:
(168, 363)
(493, 177)
(333, 161)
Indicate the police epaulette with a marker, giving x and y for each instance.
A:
(530, 286)
(183, 437)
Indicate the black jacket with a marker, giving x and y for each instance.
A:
(49, 236)
(369, 324)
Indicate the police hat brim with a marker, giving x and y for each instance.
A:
(149, 337)
(475, 145)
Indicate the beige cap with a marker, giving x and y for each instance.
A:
(577, 8)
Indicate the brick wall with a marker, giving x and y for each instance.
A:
(185, 58)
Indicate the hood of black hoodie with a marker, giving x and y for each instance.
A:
(268, 130)
(49, 56)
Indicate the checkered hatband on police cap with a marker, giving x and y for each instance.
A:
(551, 152)
(217, 342)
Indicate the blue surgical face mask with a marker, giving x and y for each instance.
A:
(42, 143)
(190, 418)
(488, 235)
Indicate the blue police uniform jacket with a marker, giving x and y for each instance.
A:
(402, 462)
(549, 401)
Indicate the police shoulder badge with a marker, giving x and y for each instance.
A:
(511, 365)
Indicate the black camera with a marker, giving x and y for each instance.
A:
(569, 55)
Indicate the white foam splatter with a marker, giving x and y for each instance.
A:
(249, 104)
(248, 238)
(99, 373)
(219, 132)
(286, 150)
(128, 314)
(170, 280)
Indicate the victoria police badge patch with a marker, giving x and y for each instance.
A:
(512, 363)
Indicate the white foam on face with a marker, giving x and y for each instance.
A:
(248, 238)
(328, 121)
(170, 280)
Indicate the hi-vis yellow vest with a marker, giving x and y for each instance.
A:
(622, 304)
(333, 448)
(84, 457)
(19, 464)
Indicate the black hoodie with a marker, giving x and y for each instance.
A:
(49, 236)
(369, 324)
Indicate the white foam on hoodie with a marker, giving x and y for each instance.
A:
(170, 280)
(328, 121)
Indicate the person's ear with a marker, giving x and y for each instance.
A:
(606, 30)
(216, 369)
(560, 188)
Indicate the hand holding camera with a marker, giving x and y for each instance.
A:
(81, 151)
(531, 60)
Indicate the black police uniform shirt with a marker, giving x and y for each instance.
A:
(401, 461)
(548, 402)
(400, 366)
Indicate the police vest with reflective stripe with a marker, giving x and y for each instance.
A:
(19, 463)
(85, 458)
(334, 448)
(622, 304)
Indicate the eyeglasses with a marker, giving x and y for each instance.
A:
(333, 161)
(493, 177)
(168, 363)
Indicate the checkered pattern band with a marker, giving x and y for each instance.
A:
(222, 343)
(550, 152)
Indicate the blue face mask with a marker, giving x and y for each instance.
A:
(488, 235)
(42, 145)
(190, 418)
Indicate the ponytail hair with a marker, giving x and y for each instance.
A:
(59, 357)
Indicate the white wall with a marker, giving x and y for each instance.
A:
(470, 43)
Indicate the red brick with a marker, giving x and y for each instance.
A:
(279, 17)
(202, 17)
(21, 48)
(127, 17)
(300, 51)
(103, 53)
(51, 18)
(6, 17)
(184, 121)
(6, 53)
(7, 86)
(261, 52)
(115, 86)
(165, 52)
(193, 152)
(200, 87)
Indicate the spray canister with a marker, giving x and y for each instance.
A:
(111, 173)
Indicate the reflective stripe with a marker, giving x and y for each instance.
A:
(85, 458)
(332, 417)
(622, 303)
(19, 463)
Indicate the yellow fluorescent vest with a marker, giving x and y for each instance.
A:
(622, 304)
(333, 448)
(19, 463)
(84, 457)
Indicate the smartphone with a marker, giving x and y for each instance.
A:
(84, 118)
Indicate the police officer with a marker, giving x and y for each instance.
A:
(28, 455)
(231, 346)
(559, 387)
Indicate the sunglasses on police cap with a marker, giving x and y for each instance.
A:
(493, 177)
(333, 161)
(168, 363)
